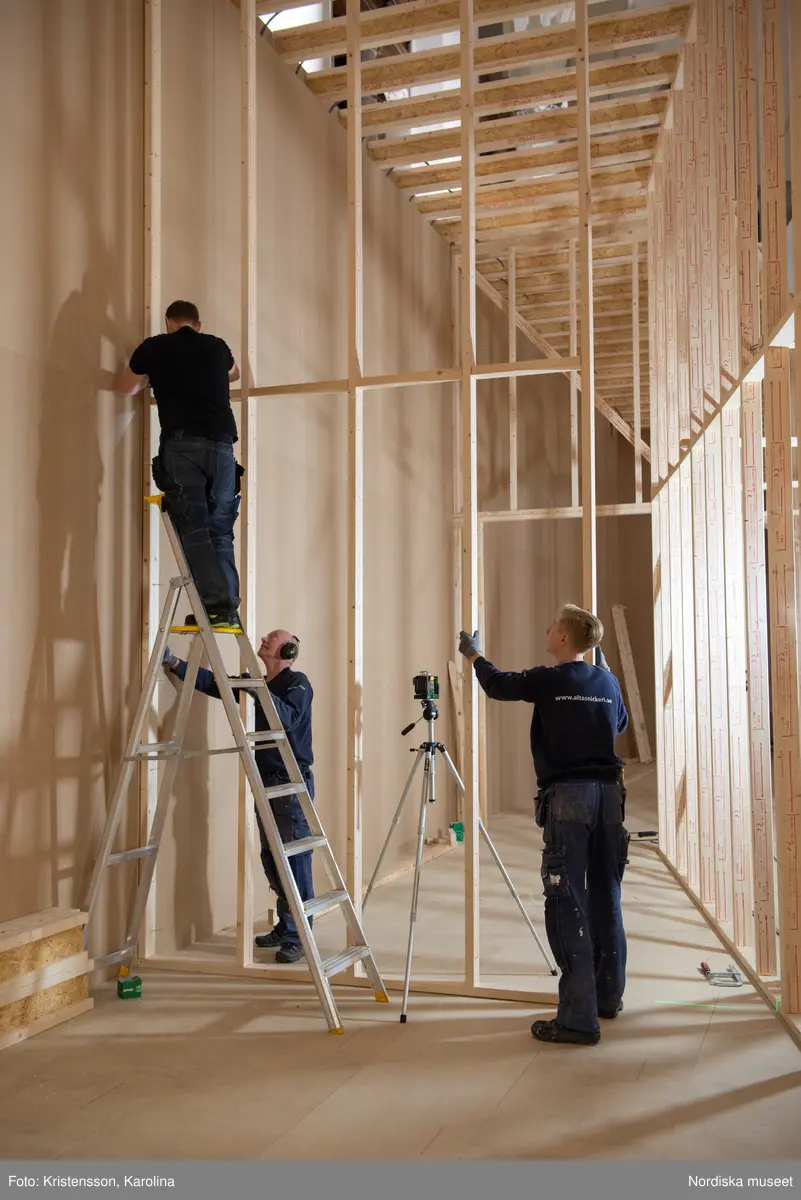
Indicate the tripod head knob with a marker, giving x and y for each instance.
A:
(430, 710)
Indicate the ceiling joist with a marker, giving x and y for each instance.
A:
(627, 30)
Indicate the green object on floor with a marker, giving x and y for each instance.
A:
(130, 988)
(458, 829)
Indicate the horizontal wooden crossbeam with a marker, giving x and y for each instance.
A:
(642, 72)
(401, 23)
(614, 150)
(508, 196)
(636, 28)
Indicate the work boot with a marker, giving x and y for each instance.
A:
(609, 1014)
(222, 621)
(290, 952)
(269, 941)
(552, 1031)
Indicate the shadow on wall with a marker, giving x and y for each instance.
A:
(71, 732)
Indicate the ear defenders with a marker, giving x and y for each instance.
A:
(289, 650)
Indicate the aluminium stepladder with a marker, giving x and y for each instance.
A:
(322, 970)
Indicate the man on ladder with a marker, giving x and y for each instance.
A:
(190, 373)
(292, 696)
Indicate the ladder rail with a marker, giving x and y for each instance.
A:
(130, 760)
(156, 831)
(248, 756)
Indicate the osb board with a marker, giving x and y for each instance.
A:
(38, 925)
(45, 1023)
(43, 1004)
(34, 955)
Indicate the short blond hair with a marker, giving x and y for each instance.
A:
(583, 628)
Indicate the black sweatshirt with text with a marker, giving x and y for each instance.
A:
(578, 714)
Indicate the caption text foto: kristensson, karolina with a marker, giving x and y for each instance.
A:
(106, 1181)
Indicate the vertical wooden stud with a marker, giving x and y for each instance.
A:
(355, 457)
(151, 525)
(574, 403)
(635, 350)
(781, 554)
(690, 156)
(456, 674)
(679, 169)
(687, 600)
(706, 816)
(512, 315)
(469, 484)
(248, 443)
(587, 336)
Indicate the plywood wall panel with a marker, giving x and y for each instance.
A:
(71, 247)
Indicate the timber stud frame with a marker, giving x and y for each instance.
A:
(617, 190)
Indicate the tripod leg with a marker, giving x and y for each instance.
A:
(507, 880)
(503, 871)
(418, 863)
(393, 826)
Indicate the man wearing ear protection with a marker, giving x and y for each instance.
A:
(292, 695)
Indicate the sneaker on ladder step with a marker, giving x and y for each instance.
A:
(222, 622)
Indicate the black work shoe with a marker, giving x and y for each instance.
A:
(609, 1014)
(268, 941)
(289, 953)
(225, 620)
(552, 1031)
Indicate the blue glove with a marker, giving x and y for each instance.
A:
(169, 660)
(469, 646)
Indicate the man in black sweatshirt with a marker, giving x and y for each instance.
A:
(578, 714)
(292, 696)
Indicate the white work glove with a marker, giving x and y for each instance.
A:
(470, 646)
(169, 660)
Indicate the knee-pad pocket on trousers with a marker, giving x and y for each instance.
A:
(623, 851)
(554, 875)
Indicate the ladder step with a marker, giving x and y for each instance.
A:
(324, 903)
(130, 855)
(340, 962)
(286, 789)
(118, 956)
(155, 750)
(303, 844)
(266, 735)
(244, 681)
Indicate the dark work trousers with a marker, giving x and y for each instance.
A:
(198, 478)
(583, 861)
(292, 826)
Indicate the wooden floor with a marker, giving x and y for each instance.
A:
(216, 1067)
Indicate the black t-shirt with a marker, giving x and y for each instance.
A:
(188, 372)
(578, 713)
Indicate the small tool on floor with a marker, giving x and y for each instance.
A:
(129, 988)
(731, 977)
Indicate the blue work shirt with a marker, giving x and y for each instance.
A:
(578, 714)
(292, 695)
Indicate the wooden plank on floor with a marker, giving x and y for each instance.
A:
(632, 686)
